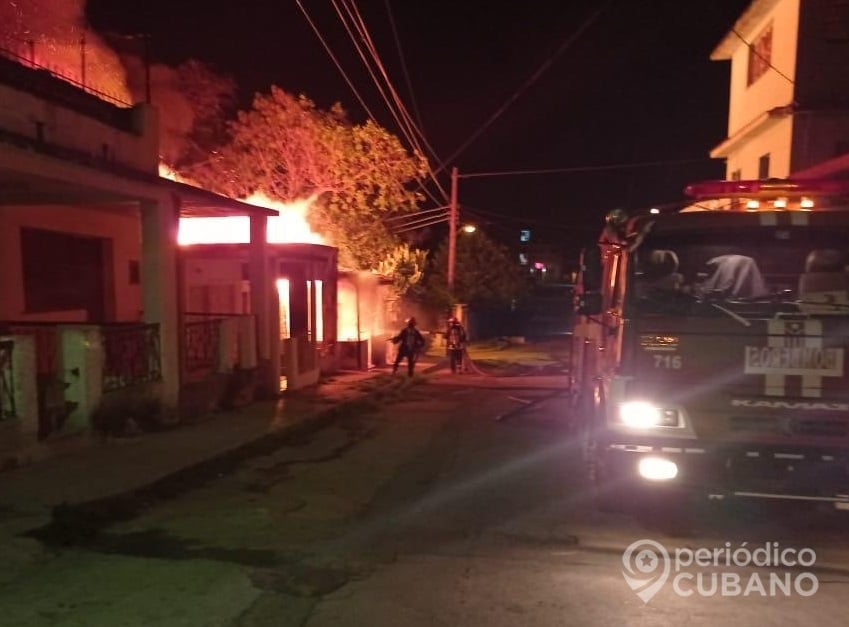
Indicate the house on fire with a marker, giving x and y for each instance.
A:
(99, 308)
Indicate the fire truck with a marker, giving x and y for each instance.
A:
(709, 345)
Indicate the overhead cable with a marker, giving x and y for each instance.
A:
(407, 216)
(408, 126)
(755, 52)
(335, 60)
(530, 81)
(585, 168)
(421, 226)
(403, 60)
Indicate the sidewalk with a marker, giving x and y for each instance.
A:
(87, 469)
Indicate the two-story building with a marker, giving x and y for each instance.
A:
(789, 100)
(92, 312)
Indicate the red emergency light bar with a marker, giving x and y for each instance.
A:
(768, 188)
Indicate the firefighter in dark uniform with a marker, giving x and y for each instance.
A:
(410, 343)
(455, 341)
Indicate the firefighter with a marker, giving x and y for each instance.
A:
(455, 341)
(410, 343)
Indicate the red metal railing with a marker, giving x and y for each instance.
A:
(202, 346)
(131, 355)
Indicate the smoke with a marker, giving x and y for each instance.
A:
(54, 34)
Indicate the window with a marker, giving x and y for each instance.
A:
(63, 272)
(760, 55)
(763, 166)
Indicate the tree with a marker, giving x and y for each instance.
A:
(357, 174)
(484, 274)
(406, 267)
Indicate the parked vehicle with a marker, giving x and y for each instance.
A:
(709, 345)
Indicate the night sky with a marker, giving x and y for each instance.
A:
(637, 86)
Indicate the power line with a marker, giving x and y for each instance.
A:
(409, 216)
(403, 64)
(587, 168)
(421, 226)
(401, 116)
(350, 83)
(491, 215)
(419, 220)
(530, 81)
(402, 109)
(335, 60)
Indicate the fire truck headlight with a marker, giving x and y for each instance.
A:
(639, 414)
(644, 415)
(657, 469)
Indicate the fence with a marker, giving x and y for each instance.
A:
(40, 56)
(131, 355)
(202, 347)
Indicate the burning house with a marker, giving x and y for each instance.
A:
(91, 317)
(122, 287)
(215, 284)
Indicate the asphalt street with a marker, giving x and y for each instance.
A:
(447, 505)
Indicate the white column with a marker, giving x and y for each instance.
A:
(82, 361)
(228, 344)
(159, 287)
(266, 308)
(24, 382)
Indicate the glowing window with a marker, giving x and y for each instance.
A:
(319, 313)
(285, 313)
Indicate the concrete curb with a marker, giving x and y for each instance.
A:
(74, 523)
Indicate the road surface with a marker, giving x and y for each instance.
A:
(448, 505)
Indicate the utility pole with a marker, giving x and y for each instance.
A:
(452, 230)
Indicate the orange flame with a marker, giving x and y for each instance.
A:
(348, 324)
(289, 226)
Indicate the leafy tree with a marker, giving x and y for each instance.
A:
(484, 274)
(357, 174)
(405, 265)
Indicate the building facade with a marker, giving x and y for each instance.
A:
(789, 101)
(91, 314)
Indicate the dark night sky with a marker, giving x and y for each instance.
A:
(637, 86)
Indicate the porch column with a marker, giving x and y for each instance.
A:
(159, 287)
(266, 307)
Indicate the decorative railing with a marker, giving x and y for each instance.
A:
(7, 386)
(28, 56)
(49, 377)
(131, 355)
(202, 346)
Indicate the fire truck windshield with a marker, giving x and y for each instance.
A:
(759, 271)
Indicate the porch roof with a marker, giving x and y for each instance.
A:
(196, 202)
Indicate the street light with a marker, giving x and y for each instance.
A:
(469, 228)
